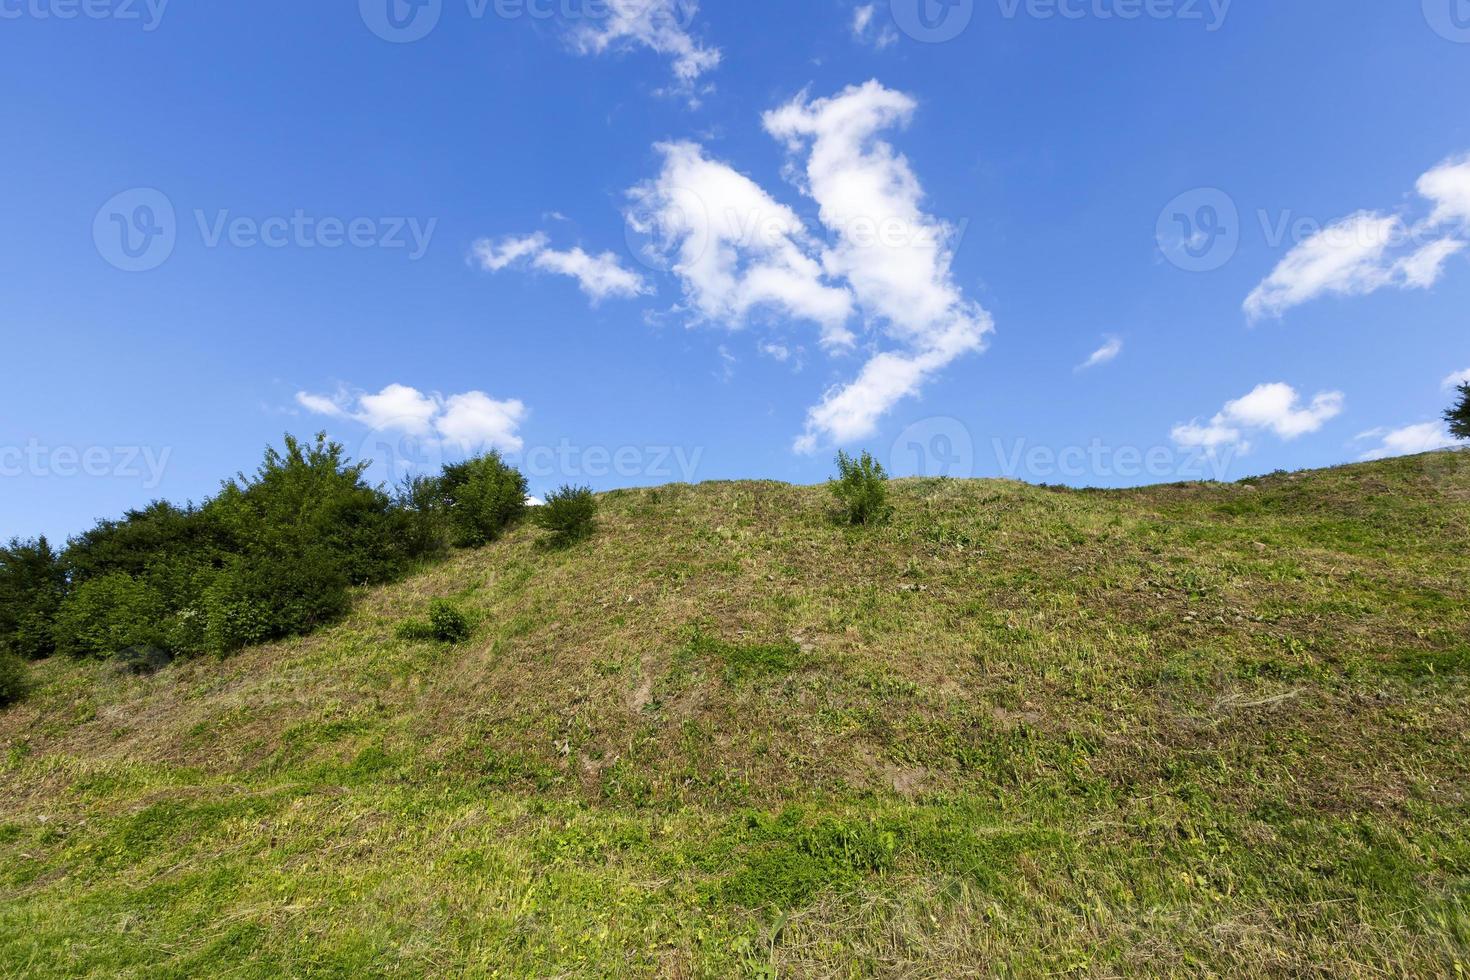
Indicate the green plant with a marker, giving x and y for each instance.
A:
(32, 583)
(259, 599)
(569, 514)
(312, 498)
(484, 496)
(423, 516)
(445, 624)
(862, 488)
(1459, 416)
(12, 679)
(109, 614)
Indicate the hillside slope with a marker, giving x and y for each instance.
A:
(1197, 729)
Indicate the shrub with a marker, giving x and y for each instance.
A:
(32, 583)
(161, 535)
(446, 624)
(423, 516)
(310, 498)
(570, 514)
(1459, 416)
(484, 496)
(862, 489)
(109, 614)
(257, 599)
(12, 679)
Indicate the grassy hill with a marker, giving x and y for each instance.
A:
(1190, 730)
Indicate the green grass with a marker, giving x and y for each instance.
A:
(1198, 730)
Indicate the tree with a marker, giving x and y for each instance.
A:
(1459, 416)
(307, 499)
(32, 585)
(485, 496)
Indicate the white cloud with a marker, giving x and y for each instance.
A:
(1448, 186)
(1371, 250)
(494, 256)
(599, 276)
(1346, 258)
(1423, 269)
(735, 249)
(895, 257)
(1275, 408)
(1457, 379)
(471, 422)
(863, 28)
(1107, 352)
(660, 25)
(475, 419)
(1425, 437)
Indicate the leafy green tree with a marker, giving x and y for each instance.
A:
(423, 516)
(1459, 416)
(32, 585)
(107, 615)
(862, 488)
(161, 533)
(311, 498)
(484, 496)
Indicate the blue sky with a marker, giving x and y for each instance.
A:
(914, 237)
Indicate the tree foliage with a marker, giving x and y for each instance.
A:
(1459, 416)
(483, 497)
(32, 585)
(862, 488)
(570, 514)
(275, 553)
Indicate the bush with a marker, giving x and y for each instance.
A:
(12, 679)
(423, 516)
(312, 499)
(862, 489)
(484, 496)
(32, 584)
(570, 514)
(160, 535)
(446, 624)
(256, 600)
(110, 614)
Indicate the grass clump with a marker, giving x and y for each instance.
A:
(744, 661)
(861, 488)
(570, 514)
(446, 624)
(12, 679)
